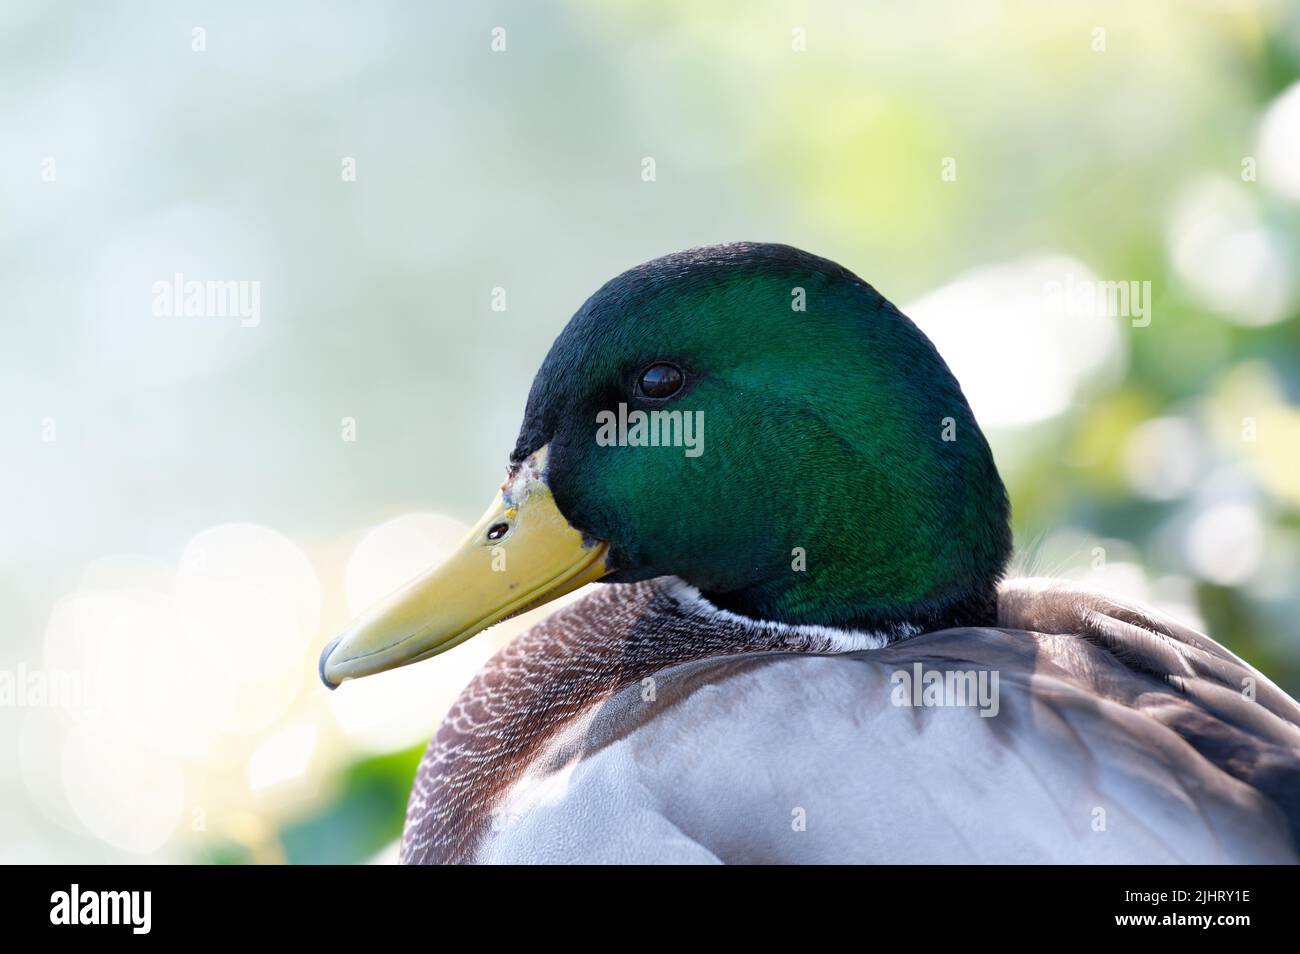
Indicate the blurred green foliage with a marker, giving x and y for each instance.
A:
(363, 819)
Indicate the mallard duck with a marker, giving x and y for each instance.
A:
(805, 649)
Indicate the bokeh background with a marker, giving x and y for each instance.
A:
(188, 516)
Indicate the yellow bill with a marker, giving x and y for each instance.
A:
(521, 554)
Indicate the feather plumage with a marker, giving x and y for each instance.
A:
(1120, 736)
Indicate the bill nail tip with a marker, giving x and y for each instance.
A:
(324, 657)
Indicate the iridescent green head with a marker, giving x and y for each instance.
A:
(827, 468)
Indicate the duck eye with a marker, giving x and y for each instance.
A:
(497, 531)
(661, 380)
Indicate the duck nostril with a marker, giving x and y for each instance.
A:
(497, 531)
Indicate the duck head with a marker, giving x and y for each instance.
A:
(751, 418)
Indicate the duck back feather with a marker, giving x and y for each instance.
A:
(643, 724)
